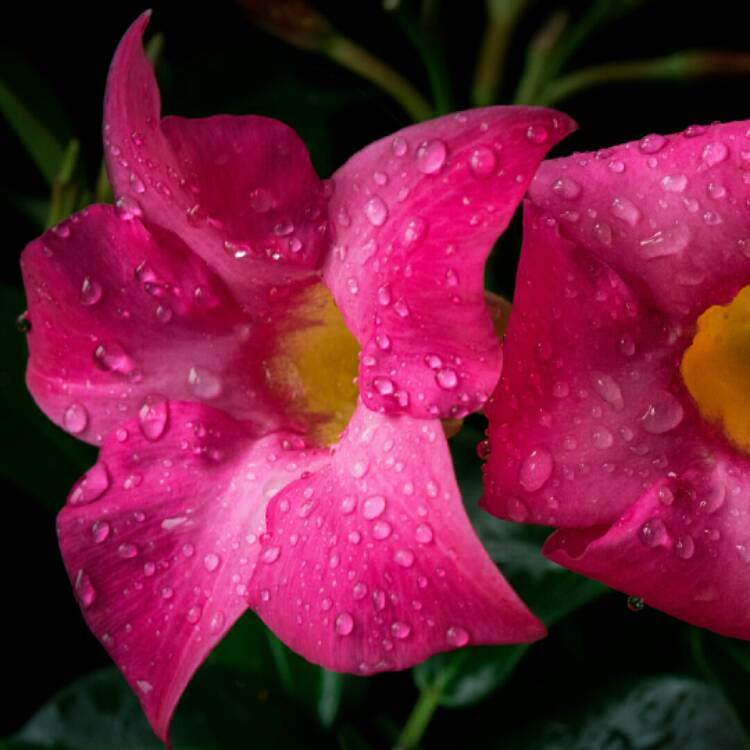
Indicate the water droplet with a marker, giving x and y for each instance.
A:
(431, 156)
(153, 416)
(127, 551)
(100, 531)
(414, 230)
(626, 210)
(271, 554)
(653, 143)
(616, 166)
(261, 200)
(537, 134)
(400, 630)
(446, 379)
(626, 345)
(217, 622)
(211, 562)
(75, 419)
(344, 623)
(603, 233)
(602, 438)
(482, 161)
(684, 547)
(91, 292)
(535, 470)
(457, 636)
(204, 384)
(23, 322)
(653, 532)
(137, 183)
(359, 469)
(404, 558)
(84, 589)
(399, 145)
(381, 530)
(663, 414)
(384, 295)
(111, 357)
(383, 386)
(194, 614)
(668, 241)
(609, 390)
(635, 603)
(566, 188)
(484, 449)
(376, 211)
(373, 506)
(424, 533)
(283, 229)
(674, 183)
(714, 153)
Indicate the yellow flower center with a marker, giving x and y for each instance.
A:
(716, 367)
(315, 367)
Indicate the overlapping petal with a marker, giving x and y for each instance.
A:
(360, 563)
(415, 216)
(240, 191)
(592, 427)
(667, 212)
(375, 565)
(122, 317)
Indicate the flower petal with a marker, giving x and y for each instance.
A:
(667, 211)
(160, 538)
(684, 547)
(370, 564)
(415, 217)
(121, 316)
(240, 191)
(590, 409)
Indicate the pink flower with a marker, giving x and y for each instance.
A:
(622, 412)
(189, 331)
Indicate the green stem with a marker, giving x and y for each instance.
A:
(677, 66)
(428, 47)
(538, 56)
(64, 191)
(493, 52)
(362, 62)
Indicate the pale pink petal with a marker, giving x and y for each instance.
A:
(122, 318)
(160, 539)
(240, 191)
(415, 216)
(669, 212)
(590, 410)
(371, 564)
(684, 547)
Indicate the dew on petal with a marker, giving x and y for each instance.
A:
(344, 623)
(431, 156)
(76, 419)
(456, 636)
(663, 414)
(535, 469)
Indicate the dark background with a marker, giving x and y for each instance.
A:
(214, 61)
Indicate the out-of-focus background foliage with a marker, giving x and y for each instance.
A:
(609, 676)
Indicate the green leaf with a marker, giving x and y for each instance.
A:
(45, 150)
(219, 710)
(660, 713)
(27, 436)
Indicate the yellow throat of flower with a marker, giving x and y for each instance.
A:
(716, 367)
(315, 367)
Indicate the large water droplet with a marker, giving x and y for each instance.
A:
(653, 532)
(446, 378)
(457, 636)
(653, 143)
(566, 188)
(625, 210)
(674, 183)
(714, 153)
(344, 623)
(424, 533)
(153, 416)
(400, 630)
(668, 241)
(482, 161)
(204, 384)
(684, 547)
(376, 211)
(211, 562)
(127, 551)
(76, 419)
(91, 486)
(607, 387)
(91, 292)
(663, 414)
(111, 357)
(431, 156)
(404, 558)
(535, 469)
(373, 506)
(100, 531)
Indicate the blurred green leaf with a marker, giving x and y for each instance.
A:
(45, 150)
(219, 711)
(251, 648)
(27, 436)
(660, 713)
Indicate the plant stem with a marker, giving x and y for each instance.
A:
(419, 719)
(677, 66)
(362, 62)
(490, 65)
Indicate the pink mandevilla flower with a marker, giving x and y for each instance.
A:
(628, 365)
(190, 331)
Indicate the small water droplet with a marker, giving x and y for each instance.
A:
(653, 532)
(400, 630)
(100, 531)
(663, 242)
(376, 211)
(271, 554)
(204, 384)
(383, 386)
(625, 210)
(424, 533)
(537, 134)
(566, 188)
(674, 183)
(153, 416)
(381, 530)
(404, 558)
(211, 562)
(635, 603)
(446, 378)
(714, 153)
(91, 292)
(609, 390)
(91, 486)
(653, 143)
(84, 589)
(484, 449)
(127, 551)
(663, 414)
(457, 636)
(399, 145)
(684, 547)
(482, 161)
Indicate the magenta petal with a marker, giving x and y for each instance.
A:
(684, 547)
(590, 409)
(371, 564)
(240, 191)
(415, 217)
(669, 211)
(121, 318)
(160, 539)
